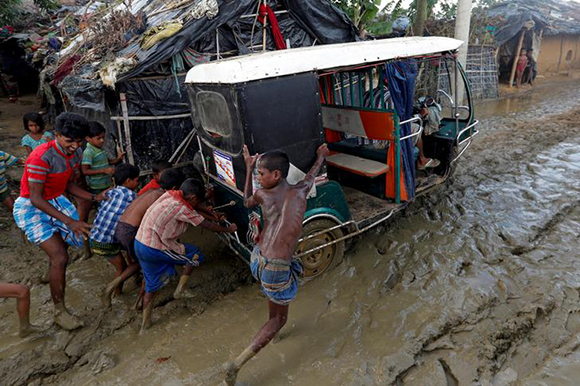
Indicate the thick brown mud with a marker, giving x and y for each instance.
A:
(478, 283)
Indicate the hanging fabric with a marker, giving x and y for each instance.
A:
(278, 37)
(401, 77)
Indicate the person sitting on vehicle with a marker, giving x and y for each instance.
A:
(157, 246)
(158, 168)
(130, 220)
(272, 262)
(45, 214)
(102, 237)
(430, 113)
(22, 294)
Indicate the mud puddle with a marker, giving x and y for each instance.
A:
(477, 284)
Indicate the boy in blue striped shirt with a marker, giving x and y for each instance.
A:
(102, 237)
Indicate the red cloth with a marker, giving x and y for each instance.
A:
(64, 69)
(49, 165)
(153, 184)
(278, 37)
(522, 63)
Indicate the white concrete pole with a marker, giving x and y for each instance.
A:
(462, 23)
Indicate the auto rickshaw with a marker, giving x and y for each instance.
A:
(361, 99)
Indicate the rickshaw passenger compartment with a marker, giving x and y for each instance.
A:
(363, 167)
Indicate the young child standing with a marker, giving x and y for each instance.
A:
(96, 166)
(158, 168)
(102, 236)
(157, 245)
(5, 197)
(34, 124)
(520, 67)
(22, 294)
(283, 206)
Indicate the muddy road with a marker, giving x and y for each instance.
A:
(478, 284)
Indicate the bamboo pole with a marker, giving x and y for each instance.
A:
(125, 111)
(516, 56)
(264, 29)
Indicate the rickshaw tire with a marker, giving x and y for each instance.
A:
(327, 258)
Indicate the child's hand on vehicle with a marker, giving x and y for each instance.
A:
(232, 228)
(248, 159)
(322, 151)
(109, 171)
(103, 195)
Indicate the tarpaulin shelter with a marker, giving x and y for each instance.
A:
(550, 27)
(139, 89)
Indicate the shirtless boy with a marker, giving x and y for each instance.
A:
(283, 206)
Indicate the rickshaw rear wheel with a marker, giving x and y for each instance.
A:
(324, 259)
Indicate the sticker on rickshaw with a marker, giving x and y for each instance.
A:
(224, 167)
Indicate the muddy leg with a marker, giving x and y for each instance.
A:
(119, 262)
(119, 280)
(139, 302)
(277, 319)
(9, 203)
(87, 253)
(147, 310)
(55, 248)
(22, 295)
(179, 291)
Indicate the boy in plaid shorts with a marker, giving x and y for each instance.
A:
(102, 237)
(5, 197)
(43, 211)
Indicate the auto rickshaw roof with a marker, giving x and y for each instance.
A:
(272, 64)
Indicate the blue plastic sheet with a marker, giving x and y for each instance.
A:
(401, 77)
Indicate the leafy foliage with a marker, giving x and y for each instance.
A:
(9, 9)
(369, 16)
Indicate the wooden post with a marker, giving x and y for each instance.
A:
(125, 112)
(264, 29)
(516, 56)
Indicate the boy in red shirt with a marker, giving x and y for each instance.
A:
(158, 167)
(45, 214)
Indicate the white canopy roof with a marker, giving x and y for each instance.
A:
(298, 60)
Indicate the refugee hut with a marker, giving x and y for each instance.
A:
(126, 65)
(551, 28)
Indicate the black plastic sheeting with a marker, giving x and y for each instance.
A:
(515, 25)
(152, 97)
(329, 24)
(84, 93)
(319, 18)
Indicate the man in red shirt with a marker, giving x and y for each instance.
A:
(45, 214)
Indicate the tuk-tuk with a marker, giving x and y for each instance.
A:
(361, 99)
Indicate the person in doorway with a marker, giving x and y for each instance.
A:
(37, 134)
(5, 196)
(430, 113)
(22, 294)
(272, 262)
(520, 67)
(531, 68)
(43, 211)
(96, 166)
(158, 167)
(102, 236)
(156, 244)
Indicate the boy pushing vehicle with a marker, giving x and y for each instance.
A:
(272, 262)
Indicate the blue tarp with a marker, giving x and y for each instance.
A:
(401, 77)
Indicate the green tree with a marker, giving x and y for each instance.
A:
(369, 16)
(9, 8)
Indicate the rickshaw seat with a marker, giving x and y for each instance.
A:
(361, 166)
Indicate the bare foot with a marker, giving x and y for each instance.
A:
(67, 321)
(231, 373)
(138, 306)
(45, 279)
(30, 329)
(184, 294)
(107, 294)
